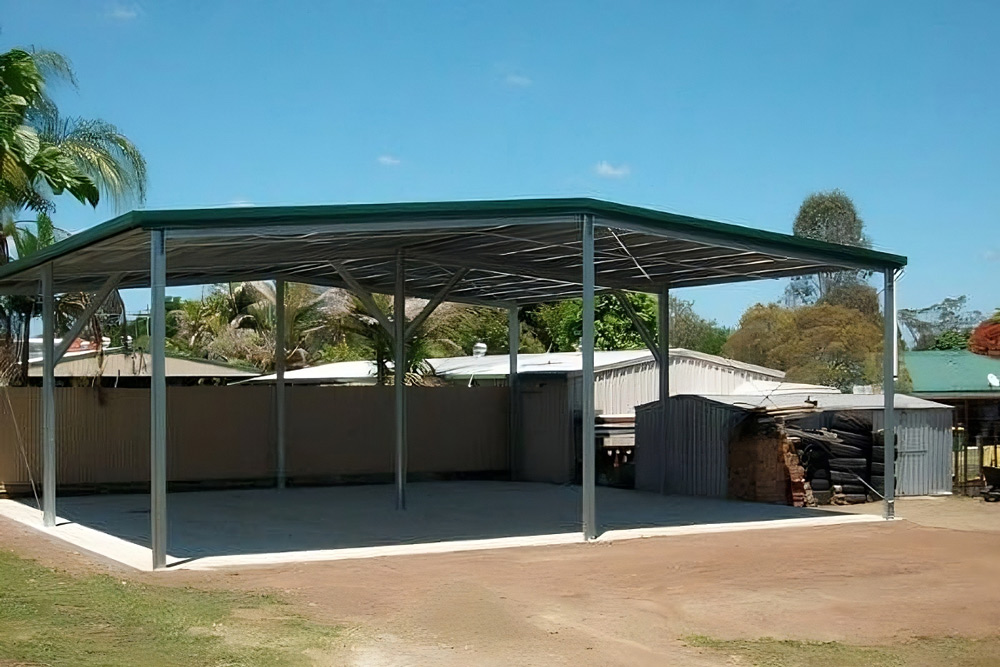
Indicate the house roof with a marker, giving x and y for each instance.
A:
(951, 373)
(119, 364)
(508, 251)
(498, 365)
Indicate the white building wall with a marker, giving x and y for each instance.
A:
(619, 390)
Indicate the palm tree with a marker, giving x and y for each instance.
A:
(16, 312)
(43, 156)
(33, 169)
(366, 333)
(99, 150)
(236, 322)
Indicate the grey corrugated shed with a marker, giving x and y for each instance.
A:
(691, 454)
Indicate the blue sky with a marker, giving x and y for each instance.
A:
(730, 110)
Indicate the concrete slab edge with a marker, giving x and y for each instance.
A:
(708, 528)
(87, 539)
(140, 558)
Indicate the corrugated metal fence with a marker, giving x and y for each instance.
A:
(227, 433)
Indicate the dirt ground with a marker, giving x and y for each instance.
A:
(955, 512)
(632, 602)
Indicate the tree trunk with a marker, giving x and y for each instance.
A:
(22, 379)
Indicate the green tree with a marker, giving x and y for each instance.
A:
(952, 340)
(861, 297)
(825, 344)
(926, 325)
(693, 332)
(559, 325)
(235, 323)
(42, 157)
(458, 328)
(831, 217)
(33, 168)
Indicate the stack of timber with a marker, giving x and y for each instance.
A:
(764, 465)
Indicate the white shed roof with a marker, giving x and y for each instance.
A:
(497, 365)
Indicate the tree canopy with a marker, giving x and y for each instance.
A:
(821, 344)
(234, 323)
(559, 326)
(43, 156)
(831, 217)
(947, 321)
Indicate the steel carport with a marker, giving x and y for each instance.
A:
(505, 253)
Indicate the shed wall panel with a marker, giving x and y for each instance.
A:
(692, 450)
(546, 450)
(620, 390)
(925, 442)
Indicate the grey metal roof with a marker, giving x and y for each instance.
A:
(516, 251)
(828, 401)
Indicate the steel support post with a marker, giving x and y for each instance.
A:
(279, 385)
(889, 392)
(587, 388)
(513, 390)
(158, 399)
(399, 374)
(663, 340)
(48, 399)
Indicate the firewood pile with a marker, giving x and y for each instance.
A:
(773, 458)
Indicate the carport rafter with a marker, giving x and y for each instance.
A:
(81, 321)
(364, 296)
(431, 306)
(640, 326)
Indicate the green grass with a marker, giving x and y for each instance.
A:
(767, 652)
(54, 618)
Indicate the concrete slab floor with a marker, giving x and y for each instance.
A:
(214, 528)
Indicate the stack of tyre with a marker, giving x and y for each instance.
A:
(853, 457)
(842, 462)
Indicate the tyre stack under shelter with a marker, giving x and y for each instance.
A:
(833, 439)
(842, 463)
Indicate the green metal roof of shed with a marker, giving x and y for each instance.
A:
(955, 372)
(513, 251)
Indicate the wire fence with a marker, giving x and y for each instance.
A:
(970, 455)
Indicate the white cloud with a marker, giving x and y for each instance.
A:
(605, 169)
(518, 80)
(241, 202)
(388, 160)
(124, 12)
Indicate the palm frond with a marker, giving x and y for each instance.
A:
(53, 66)
(101, 151)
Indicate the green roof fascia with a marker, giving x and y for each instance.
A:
(222, 218)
